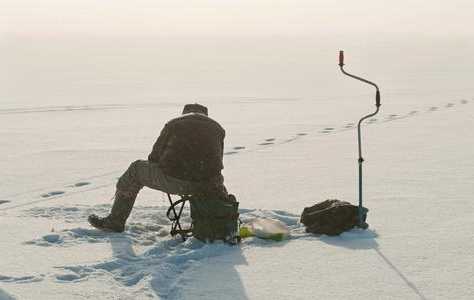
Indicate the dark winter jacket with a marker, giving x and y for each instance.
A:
(190, 147)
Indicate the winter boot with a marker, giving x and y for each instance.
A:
(115, 221)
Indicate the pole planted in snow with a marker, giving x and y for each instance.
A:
(362, 223)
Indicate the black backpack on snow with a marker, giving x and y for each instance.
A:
(331, 217)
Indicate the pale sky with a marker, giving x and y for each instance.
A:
(235, 18)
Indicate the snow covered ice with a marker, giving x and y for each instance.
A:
(76, 109)
(418, 189)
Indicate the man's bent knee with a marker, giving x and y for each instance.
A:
(130, 180)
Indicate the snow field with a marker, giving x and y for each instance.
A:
(418, 174)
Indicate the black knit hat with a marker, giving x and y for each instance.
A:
(195, 108)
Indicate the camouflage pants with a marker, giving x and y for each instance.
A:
(144, 173)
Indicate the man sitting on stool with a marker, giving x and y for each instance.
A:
(186, 160)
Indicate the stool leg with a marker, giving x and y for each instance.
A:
(177, 216)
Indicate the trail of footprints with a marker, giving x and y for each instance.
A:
(274, 141)
(347, 126)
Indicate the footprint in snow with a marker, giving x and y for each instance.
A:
(269, 141)
(67, 277)
(53, 193)
(391, 117)
(433, 108)
(21, 279)
(327, 130)
(449, 105)
(4, 201)
(289, 140)
(79, 184)
(230, 152)
(349, 125)
(294, 138)
(413, 112)
(239, 147)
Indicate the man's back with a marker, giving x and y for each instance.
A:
(190, 147)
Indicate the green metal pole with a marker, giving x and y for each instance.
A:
(362, 223)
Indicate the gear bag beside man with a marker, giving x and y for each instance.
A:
(186, 160)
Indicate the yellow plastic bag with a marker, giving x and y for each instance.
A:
(265, 229)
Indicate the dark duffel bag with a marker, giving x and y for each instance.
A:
(331, 217)
(215, 219)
